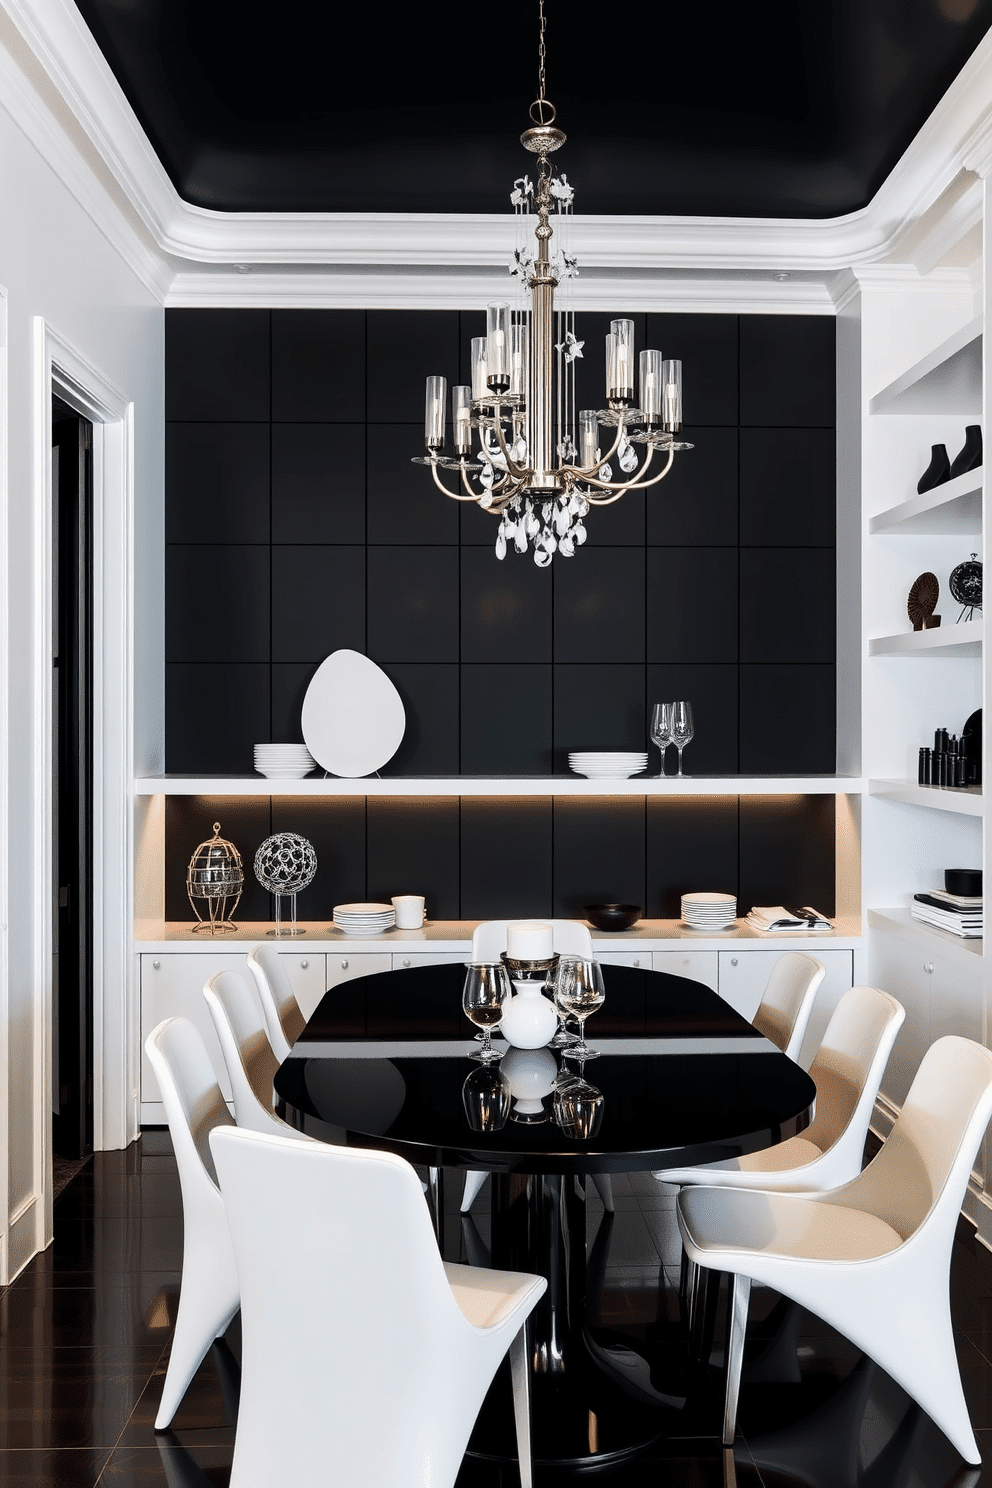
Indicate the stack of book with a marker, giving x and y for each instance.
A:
(959, 913)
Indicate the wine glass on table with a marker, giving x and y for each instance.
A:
(682, 728)
(661, 729)
(486, 989)
(580, 991)
(562, 1039)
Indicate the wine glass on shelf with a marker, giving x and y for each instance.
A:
(661, 729)
(580, 991)
(682, 728)
(486, 989)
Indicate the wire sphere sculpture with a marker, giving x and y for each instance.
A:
(285, 863)
(215, 878)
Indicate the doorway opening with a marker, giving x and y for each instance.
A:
(72, 790)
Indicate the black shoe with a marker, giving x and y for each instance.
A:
(937, 471)
(970, 457)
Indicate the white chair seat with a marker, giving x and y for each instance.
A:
(721, 1226)
(487, 1297)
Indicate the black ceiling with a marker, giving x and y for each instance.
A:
(791, 108)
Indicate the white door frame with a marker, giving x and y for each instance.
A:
(58, 366)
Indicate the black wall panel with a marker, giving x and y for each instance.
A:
(296, 523)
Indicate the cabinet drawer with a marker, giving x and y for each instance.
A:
(172, 987)
(623, 958)
(698, 966)
(404, 959)
(344, 966)
(308, 975)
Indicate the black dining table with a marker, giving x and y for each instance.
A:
(680, 1078)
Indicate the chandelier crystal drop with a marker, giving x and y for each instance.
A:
(538, 467)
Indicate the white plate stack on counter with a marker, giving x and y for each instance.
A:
(709, 911)
(283, 761)
(364, 919)
(607, 765)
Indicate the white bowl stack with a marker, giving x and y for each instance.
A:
(709, 911)
(608, 764)
(364, 919)
(283, 761)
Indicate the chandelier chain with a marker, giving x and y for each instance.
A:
(541, 54)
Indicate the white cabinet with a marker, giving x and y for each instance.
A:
(698, 966)
(344, 966)
(941, 990)
(743, 976)
(172, 987)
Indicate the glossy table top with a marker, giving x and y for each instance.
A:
(384, 1062)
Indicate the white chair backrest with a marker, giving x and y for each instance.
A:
(571, 938)
(787, 1000)
(247, 1052)
(194, 1104)
(342, 1283)
(848, 1067)
(284, 1018)
(920, 1176)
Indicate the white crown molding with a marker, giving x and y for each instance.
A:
(955, 137)
(47, 133)
(440, 291)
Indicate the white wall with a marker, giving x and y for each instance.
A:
(55, 263)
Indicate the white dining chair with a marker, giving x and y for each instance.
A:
(571, 938)
(847, 1072)
(787, 1001)
(209, 1295)
(283, 1015)
(873, 1257)
(244, 1043)
(364, 1356)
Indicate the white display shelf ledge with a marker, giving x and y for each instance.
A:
(964, 800)
(956, 640)
(164, 937)
(953, 509)
(947, 380)
(500, 785)
(899, 922)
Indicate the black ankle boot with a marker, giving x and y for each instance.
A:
(937, 471)
(970, 457)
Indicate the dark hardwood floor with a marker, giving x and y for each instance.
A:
(85, 1331)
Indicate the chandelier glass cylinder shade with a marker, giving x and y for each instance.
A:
(537, 465)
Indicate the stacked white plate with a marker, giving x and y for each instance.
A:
(607, 764)
(283, 761)
(709, 911)
(364, 919)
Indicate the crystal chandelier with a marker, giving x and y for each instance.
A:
(523, 388)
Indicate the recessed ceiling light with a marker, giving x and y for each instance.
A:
(246, 268)
(782, 275)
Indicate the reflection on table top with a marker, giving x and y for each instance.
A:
(384, 1061)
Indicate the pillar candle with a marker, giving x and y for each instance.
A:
(530, 941)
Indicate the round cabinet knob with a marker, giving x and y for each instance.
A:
(733, 960)
(928, 966)
(406, 960)
(304, 965)
(637, 962)
(157, 965)
(344, 965)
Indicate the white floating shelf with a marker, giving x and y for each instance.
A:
(966, 800)
(955, 640)
(899, 922)
(953, 509)
(501, 785)
(947, 380)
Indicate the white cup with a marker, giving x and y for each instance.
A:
(409, 911)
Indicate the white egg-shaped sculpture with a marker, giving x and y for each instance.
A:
(353, 717)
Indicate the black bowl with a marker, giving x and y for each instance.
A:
(612, 916)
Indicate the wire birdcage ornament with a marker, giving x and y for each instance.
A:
(215, 879)
(284, 864)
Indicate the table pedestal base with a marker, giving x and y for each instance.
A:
(592, 1399)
